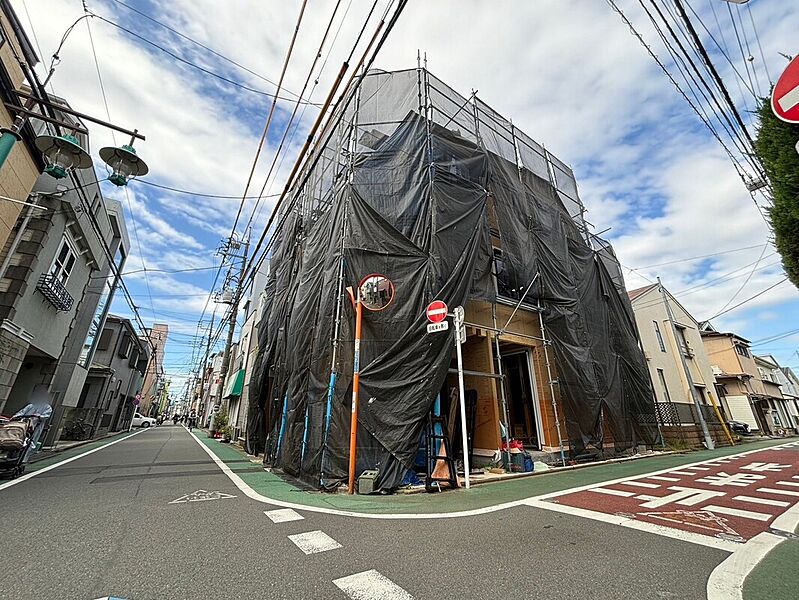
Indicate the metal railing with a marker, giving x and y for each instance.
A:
(51, 288)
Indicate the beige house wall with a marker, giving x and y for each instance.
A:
(650, 309)
(20, 171)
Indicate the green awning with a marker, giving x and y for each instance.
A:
(235, 384)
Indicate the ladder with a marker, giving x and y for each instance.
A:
(438, 441)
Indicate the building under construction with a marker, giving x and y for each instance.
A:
(449, 201)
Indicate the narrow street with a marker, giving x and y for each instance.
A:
(107, 524)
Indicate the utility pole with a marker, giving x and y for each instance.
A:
(234, 309)
(697, 397)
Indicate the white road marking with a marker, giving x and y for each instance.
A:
(780, 492)
(371, 585)
(283, 515)
(683, 472)
(19, 480)
(201, 496)
(765, 501)
(631, 523)
(726, 582)
(700, 468)
(788, 483)
(736, 512)
(612, 492)
(662, 478)
(642, 484)
(314, 541)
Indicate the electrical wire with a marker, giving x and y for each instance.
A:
(757, 38)
(760, 293)
(692, 258)
(749, 277)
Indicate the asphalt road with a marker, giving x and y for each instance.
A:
(104, 525)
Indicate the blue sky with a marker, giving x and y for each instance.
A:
(569, 74)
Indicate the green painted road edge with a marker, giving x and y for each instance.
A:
(776, 577)
(274, 487)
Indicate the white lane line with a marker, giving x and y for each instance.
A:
(371, 585)
(651, 486)
(736, 512)
(682, 472)
(780, 492)
(612, 492)
(662, 478)
(788, 483)
(258, 497)
(700, 468)
(314, 541)
(765, 501)
(283, 515)
(68, 460)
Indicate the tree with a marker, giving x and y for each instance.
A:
(776, 148)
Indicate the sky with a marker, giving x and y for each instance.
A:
(568, 73)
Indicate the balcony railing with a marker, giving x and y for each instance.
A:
(52, 289)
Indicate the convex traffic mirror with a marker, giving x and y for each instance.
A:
(376, 292)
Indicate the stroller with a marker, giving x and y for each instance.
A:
(19, 437)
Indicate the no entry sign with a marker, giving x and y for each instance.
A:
(785, 97)
(436, 311)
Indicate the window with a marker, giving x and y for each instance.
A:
(662, 379)
(134, 358)
(64, 261)
(742, 350)
(659, 336)
(125, 346)
(105, 339)
(683, 341)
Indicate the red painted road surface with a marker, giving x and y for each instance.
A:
(732, 498)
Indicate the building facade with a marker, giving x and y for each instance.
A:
(154, 378)
(672, 342)
(53, 294)
(108, 398)
(24, 163)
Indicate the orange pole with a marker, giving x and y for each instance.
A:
(356, 379)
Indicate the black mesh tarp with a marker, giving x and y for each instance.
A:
(418, 200)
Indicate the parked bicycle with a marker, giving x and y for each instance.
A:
(77, 430)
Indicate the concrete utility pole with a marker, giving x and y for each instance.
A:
(697, 397)
(234, 309)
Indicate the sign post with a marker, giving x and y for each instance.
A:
(460, 338)
(375, 292)
(785, 96)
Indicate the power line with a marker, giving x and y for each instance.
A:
(760, 293)
(691, 258)
(748, 278)
(188, 62)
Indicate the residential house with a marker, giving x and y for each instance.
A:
(672, 342)
(789, 384)
(153, 380)
(108, 399)
(777, 405)
(743, 393)
(24, 163)
(55, 290)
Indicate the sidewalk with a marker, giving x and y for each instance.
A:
(66, 449)
(274, 487)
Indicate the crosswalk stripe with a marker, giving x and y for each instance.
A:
(735, 512)
(371, 585)
(683, 472)
(780, 492)
(314, 541)
(699, 468)
(765, 501)
(788, 483)
(663, 478)
(283, 515)
(642, 484)
(611, 492)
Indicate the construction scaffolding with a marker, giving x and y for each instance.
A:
(450, 201)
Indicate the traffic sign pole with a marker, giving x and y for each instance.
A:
(356, 380)
(459, 339)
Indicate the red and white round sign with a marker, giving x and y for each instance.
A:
(785, 97)
(436, 311)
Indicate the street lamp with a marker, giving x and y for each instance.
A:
(63, 153)
(124, 163)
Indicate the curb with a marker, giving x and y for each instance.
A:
(45, 454)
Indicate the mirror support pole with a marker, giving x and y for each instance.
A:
(356, 375)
